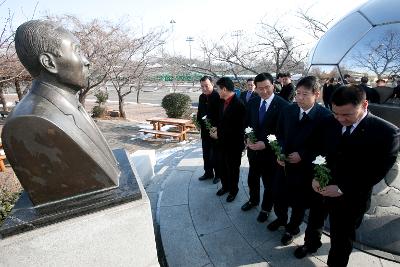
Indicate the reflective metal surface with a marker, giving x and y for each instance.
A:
(54, 147)
(366, 43)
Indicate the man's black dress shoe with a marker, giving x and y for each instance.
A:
(205, 177)
(287, 238)
(231, 197)
(273, 226)
(248, 206)
(221, 192)
(215, 180)
(262, 216)
(302, 251)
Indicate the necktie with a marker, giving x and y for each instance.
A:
(348, 129)
(304, 117)
(248, 95)
(261, 112)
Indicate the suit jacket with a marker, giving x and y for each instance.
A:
(302, 137)
(61, 153)
(231, 125)
(269, 124)
(288, 92)
(244, 94)
(208, 105)
(361, 160)
(372, 94)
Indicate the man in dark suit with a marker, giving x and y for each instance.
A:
(287, 92)
(371, 93)
(208, 106)
(230, 137)
(262, 116)
(298, 127)
(360, 149)
(250, 93)
(327, 91)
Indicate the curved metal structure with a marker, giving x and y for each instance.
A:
(366, 43)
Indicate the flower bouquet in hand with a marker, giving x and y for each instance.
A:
(195, 121)
(273, 142)
(250, 135)
(322, 173)
(207, 122)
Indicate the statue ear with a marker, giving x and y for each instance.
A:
(47, 61)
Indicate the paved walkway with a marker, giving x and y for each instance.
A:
(199, 228)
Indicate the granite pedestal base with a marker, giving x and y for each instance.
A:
(121, 235)
(25, 216)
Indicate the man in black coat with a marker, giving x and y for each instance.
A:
(327, 91)
(287, 92)
(250, 93)
(208, 108)
(262, 116)
(371, 93)
(298, 127)
(360, 150)
(230, 137)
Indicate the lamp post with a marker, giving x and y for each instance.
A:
(173, 22)
(190, 39)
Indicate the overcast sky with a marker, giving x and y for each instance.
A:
(196, 18)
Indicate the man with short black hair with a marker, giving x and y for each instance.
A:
(287, 92)
(360, 149)
(299, 125)
(208, 109)
(250, 93)
(371, 93)
(262, 116)
(230, 136)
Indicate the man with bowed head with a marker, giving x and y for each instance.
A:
(230, 136)
(209, 110)
(299, 125)
(262, 116)
(360, 149)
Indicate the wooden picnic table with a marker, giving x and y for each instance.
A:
(183, 126)
(2, 158)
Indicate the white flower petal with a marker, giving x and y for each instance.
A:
(320, 160)
(271, 138)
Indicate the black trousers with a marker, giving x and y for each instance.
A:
(210, 157)
(316, 220)
(345, 216)
(291, 192)
(263, 167)
(229, 161)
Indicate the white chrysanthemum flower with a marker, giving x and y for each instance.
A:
(204, 117)
(248, 130)
(319, 160)
(271, 138)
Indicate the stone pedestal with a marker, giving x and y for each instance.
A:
(110, 228)
(118, 236)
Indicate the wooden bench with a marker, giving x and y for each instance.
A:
(2, 166)
(158, 133)
(182, 125)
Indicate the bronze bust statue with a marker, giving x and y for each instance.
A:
(54, 147)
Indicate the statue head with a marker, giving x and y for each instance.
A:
(52, 54)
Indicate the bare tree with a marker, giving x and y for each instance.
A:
(279, 48)
(313, 26)
(130, 58)
(381, 56)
